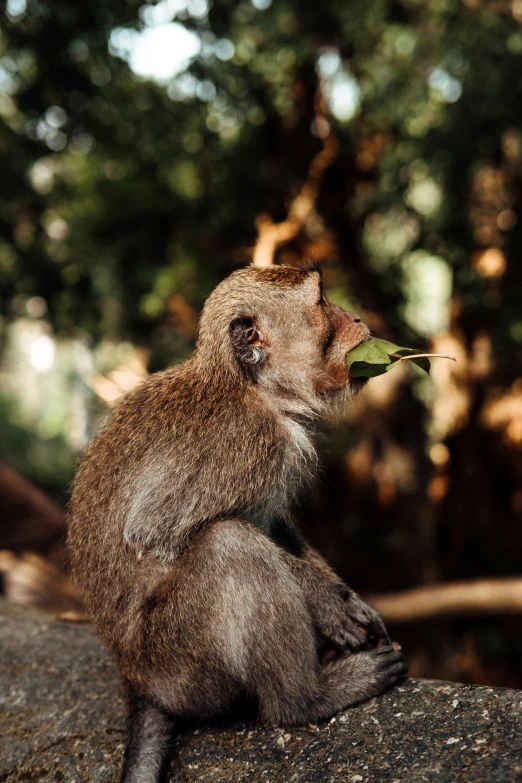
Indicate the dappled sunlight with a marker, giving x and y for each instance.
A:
(503, 413)
(490, 263)
(451, 403)
(158, 52)
(119, 381)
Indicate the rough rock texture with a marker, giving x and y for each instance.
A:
(62, 719)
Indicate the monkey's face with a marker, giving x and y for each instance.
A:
(301, 340)
(282, 332)
(336, 332)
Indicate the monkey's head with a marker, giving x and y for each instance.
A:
(274, 327)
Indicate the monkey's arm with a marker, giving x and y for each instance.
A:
(339, 614)
(319, 564)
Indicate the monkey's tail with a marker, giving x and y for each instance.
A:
(150, 737)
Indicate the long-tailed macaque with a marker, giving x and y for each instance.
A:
(180, 531)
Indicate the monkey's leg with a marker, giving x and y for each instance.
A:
(327, 607)
(340, 615)
(258, 622)
(228, 618)
(148, 743)
(359, 612)
(232, 621)
(339, 685)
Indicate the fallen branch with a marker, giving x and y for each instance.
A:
(31, 579)
(481, 596)
(29, 519)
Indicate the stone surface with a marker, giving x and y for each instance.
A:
(62, 719)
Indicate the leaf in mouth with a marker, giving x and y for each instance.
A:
(375, 357)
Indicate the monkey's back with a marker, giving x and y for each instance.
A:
(106, 570)
(159, 427)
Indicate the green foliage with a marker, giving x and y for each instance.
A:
(116, 185)
(375, 357)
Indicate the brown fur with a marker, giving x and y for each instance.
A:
(180, 533)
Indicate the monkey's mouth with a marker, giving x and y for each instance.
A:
(357, 384)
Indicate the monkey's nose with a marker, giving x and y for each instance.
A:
(354, 318)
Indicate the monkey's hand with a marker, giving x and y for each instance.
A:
(336, 626)
(342, 620)
(363, 615)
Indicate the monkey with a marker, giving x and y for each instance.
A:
(181, 535)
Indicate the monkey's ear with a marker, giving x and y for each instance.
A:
(247, 340)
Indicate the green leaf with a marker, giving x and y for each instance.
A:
(375, 357)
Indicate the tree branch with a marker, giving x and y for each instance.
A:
(478, 597)
(270, 235)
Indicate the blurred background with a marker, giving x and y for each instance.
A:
(148, 149)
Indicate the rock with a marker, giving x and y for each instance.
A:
(62, 719)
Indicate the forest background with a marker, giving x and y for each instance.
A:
(147, 150)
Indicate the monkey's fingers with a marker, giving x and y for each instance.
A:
(343, 635)
(380, 642)
(390, 664)
(367, 617)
